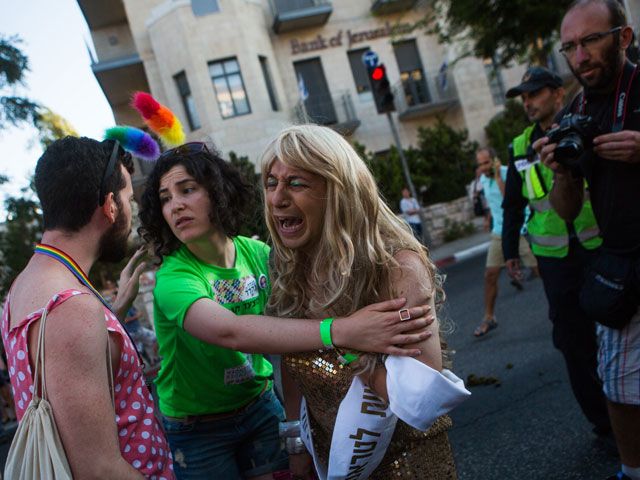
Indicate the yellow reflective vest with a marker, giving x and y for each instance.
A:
(548, 232)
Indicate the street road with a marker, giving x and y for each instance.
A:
(527, 426)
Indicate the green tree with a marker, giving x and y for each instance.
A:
(255, 223)
(14, 64)
(441, 165)
(52, 127)
(22, 229)
(504, 30)
(23, 223)
(447, 161)
(506, 125)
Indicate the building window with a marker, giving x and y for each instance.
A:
(229, 88)
(414, 82)
(494, 77)
(187, 100)
(204, 7)
(266, 73)
(359, 70)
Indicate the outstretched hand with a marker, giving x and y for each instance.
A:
(129, 283)
(379, 328)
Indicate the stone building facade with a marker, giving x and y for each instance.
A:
(234, 71)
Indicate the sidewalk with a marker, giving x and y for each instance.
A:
(461, 249)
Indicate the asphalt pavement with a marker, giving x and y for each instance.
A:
(527, 424)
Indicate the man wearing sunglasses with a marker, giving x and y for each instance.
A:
(595, 36)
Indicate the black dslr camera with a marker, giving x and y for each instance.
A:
(572, 136)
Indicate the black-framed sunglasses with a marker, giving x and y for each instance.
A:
(186, 149)
(108, 171)
(587, 42)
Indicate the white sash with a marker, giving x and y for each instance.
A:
(418, 395)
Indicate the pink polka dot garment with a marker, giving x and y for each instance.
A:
(142, 442)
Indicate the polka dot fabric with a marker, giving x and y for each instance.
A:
(142, 442)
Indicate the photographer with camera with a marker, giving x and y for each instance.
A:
(595, 35)
(561, 248)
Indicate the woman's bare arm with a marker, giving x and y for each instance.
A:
(375, 328)
(412, 280)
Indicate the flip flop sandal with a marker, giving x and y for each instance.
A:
(485, 327)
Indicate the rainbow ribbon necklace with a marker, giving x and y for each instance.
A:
(73, 267)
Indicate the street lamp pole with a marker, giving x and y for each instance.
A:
(426, 238)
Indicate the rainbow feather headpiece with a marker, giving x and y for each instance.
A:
(135, 141)
(159, 118)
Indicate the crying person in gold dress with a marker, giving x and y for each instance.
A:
(336, 248)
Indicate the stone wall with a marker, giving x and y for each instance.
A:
(460, 211)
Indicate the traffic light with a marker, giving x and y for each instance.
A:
(381, 89)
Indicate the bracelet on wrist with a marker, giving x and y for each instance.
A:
(346, 358)
(325, 332)
(294, 445)
(289, 429)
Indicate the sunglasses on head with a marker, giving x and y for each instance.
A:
(190, 148)
(108, 171)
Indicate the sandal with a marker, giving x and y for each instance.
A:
(485, 327)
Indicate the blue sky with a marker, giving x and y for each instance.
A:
(54, 34)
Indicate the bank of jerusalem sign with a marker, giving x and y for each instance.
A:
(349, 37)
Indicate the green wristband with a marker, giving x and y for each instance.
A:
(347, 358)
(325, 332)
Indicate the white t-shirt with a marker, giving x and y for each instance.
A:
(407, 204)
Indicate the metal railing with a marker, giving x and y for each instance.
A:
(429, 90)
(326, 110)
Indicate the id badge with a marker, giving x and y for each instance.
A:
(524, 164)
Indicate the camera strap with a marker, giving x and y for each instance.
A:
(622, 96)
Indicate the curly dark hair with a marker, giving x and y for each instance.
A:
(228, 191)
(68, 177)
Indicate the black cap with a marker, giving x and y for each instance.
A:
(534, 79)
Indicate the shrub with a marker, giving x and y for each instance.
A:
(506, 125)
(455, 230)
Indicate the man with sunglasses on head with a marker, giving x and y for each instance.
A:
(103, 410)
(595, 36)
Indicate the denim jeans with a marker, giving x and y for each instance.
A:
(242, 446)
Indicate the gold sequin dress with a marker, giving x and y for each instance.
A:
(412, 454)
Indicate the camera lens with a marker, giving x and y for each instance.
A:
(569, 149)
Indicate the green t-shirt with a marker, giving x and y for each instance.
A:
(196, 377)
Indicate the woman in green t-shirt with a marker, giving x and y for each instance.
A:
(219, 412)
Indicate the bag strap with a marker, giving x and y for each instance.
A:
(40, 366)
(40, 359)
(110, 368)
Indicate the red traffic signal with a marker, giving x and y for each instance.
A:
(381, 89)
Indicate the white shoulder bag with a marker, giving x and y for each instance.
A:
(36, 451)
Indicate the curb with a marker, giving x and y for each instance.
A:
(462, 255)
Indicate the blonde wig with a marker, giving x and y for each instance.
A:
(353, 260)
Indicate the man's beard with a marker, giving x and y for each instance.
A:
(609, 69)
(113, 244)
